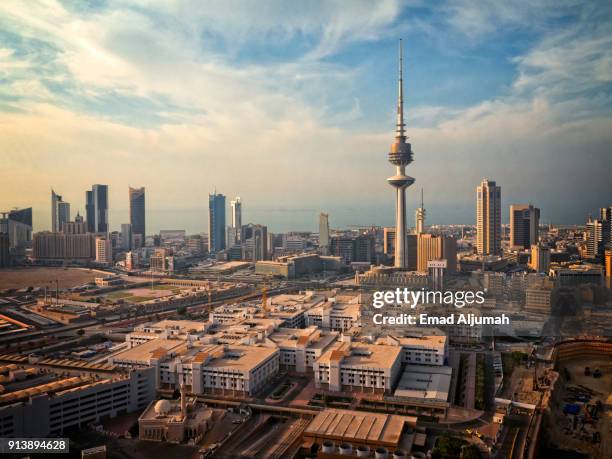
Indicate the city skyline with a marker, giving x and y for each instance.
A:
(497, 94)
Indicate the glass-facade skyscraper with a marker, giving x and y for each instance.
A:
(96, 208)
(137, 211)
(216, 223)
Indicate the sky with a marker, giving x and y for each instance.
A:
(290, 105)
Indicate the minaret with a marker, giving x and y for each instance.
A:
(400, 156)
(419, 227)
(183, 401)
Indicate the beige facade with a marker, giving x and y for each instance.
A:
(488, 218)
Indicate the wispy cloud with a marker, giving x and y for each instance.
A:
(260, 99)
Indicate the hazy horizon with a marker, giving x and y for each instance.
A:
(283, 219)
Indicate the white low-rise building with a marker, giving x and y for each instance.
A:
(358, 366)
(167, 329)
(333, 315)
(421, 350)
(301, 347)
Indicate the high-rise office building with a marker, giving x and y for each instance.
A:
(353, 249)
(137, 212)
(540, 258)
(235, 228)
(104, 251)
(400, 156)
(236, 206)
(59, 246)
(524, 225)
(324, 233)
(60, 212)
(488, 218)
(17, 223)
(594, 238)
(389, 241)
(254, 240)
(605, 216)
(432, 247)
(419, 217)
(22, 216)
(126, 236)
(216, 223)
(96, 208)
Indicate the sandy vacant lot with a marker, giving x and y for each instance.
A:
(41, 277)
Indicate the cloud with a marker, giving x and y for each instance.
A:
(477, 19)
(183, 97)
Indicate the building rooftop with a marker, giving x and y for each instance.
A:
(360, 354)
(358, 426)
(182, 326)
(311, 337)
(143, 353)
(425, 382)
(230, 357)
(428, 341)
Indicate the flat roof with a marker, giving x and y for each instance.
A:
(366, 355)
(231, 357)
(243, 358)
(359, 426)
(183, 325)
(144, 352)
(431, 341)
(311, 337)
(425, 382)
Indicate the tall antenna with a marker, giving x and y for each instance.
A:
(400, 94)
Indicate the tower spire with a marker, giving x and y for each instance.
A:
(400, 95)
(422, 205)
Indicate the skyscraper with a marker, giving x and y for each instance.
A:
(605, 216)
(96, 208)
(216, 223)
(254, 242)
(524, 225)
(488, 218)
(400, 156)
(419, 217)
(432, 247)
(104, 251)
(137, 212)
(594, 238)
(540, 258)
(324, 233)
(236, 206)
(60, 212)
(234, 230)
(126, 236)
(18, 226)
